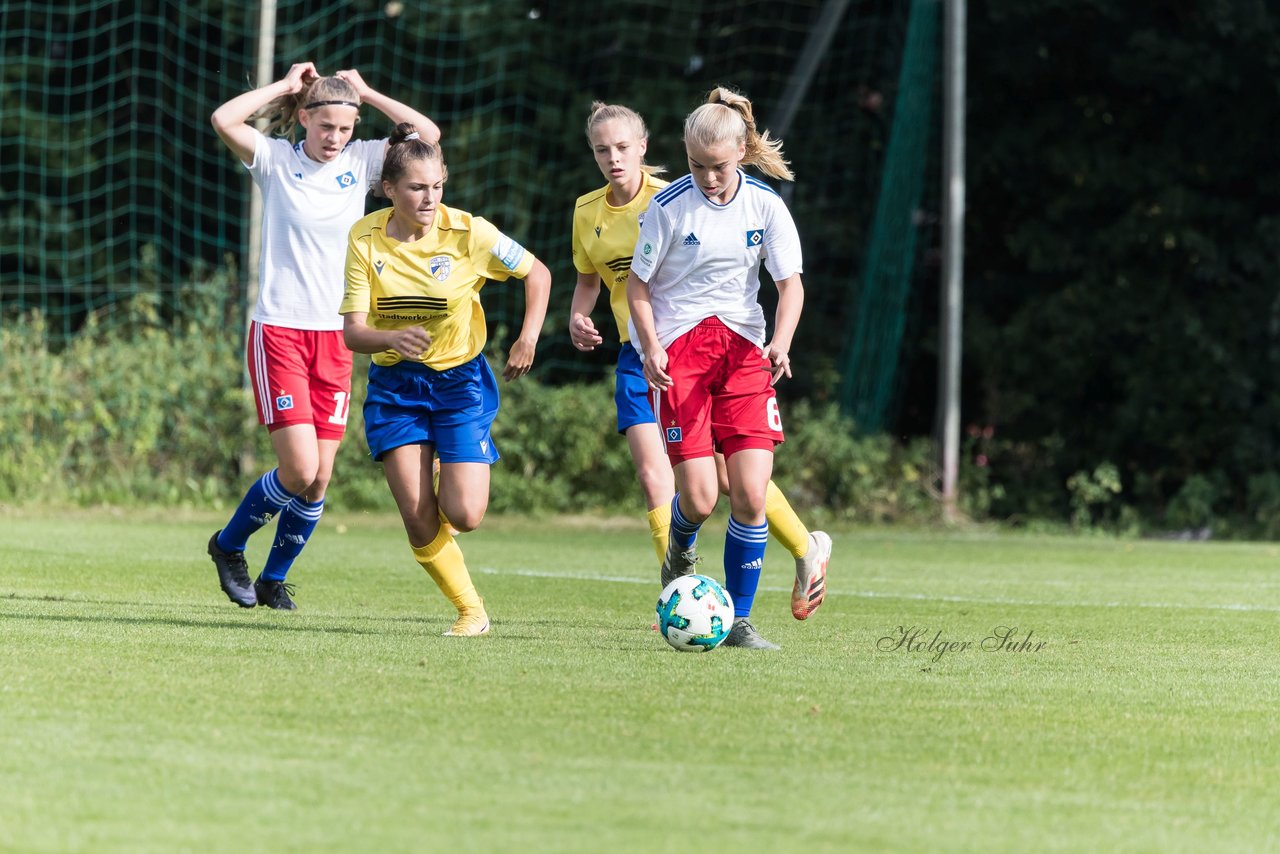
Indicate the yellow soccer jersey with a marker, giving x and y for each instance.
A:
(433, 282)
(604, 238)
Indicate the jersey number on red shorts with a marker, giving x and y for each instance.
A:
(775, 417)
(342, 404)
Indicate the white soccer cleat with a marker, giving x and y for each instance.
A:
(471, 623)
(811, 576)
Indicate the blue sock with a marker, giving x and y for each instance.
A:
(292, 532)
(743, 560)
(258, 507)
(683, 533)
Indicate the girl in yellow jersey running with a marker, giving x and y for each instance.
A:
(606, 224)
(414, 273)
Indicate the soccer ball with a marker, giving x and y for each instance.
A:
(695, 613)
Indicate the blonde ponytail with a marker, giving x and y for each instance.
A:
(727, 117)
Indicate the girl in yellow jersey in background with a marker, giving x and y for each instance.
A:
(414, 274)
(606, 224)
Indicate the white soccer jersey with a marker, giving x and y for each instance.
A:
(702, 259)
(308, 209)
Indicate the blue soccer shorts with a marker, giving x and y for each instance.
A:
(631, 394)
(411, 404)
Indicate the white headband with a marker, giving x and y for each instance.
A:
(413, 135)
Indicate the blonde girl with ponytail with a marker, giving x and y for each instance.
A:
(695, 317)
(606, 223)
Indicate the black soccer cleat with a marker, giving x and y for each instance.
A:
(677, 563)
(233, 574)
(274, 594)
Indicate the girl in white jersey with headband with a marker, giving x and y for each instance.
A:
(313, 192)
(693, 291)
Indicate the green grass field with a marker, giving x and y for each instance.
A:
(141, 711)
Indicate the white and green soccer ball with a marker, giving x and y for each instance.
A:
(695, 613)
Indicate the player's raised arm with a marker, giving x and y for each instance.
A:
(391, 108)
(231, 120)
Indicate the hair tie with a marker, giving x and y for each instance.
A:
(315, 104)
(410, 136)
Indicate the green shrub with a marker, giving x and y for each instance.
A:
(127, 412)
(1093, 494)
(825, 465)
(1264, 503)
(1192, 506)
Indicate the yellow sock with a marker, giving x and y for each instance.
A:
(784, 524)
(659, 527)
(443, 561)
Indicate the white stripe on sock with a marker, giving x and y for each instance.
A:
(307, 510)
(273, 489)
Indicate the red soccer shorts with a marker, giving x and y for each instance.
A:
(300, 376)
(720, 395)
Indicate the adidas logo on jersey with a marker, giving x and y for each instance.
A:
(692, 240)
